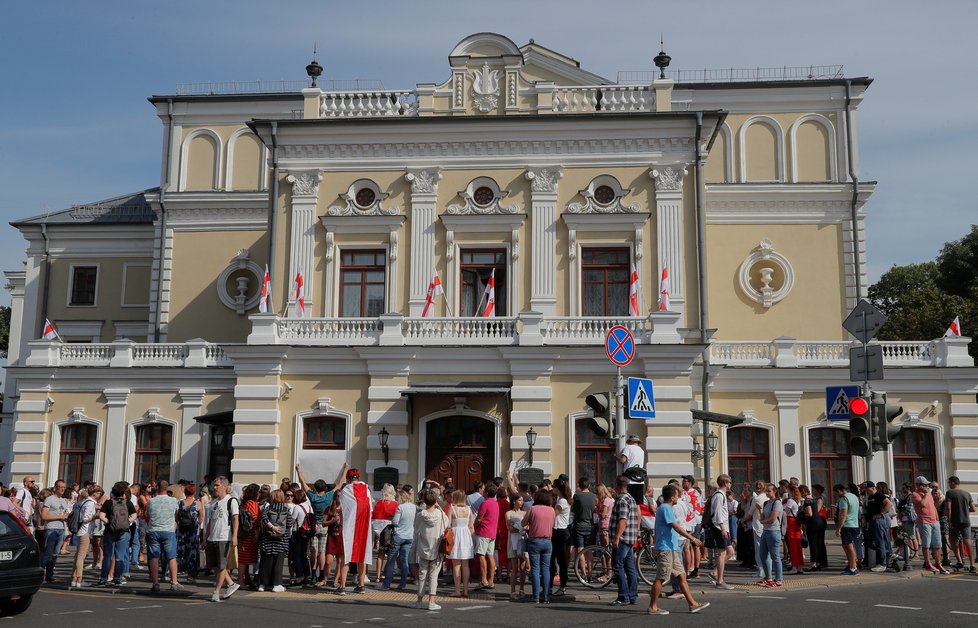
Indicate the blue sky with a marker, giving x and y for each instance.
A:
(75, 125)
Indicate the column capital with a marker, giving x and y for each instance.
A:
(305, 183)
(116, 396)
(191, 397)
(543, 180)
(788, 399)
(668, 177)
(423, 180)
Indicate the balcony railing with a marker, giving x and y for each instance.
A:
(368, 104)
(603, 98)
(788, 352)
(125, 353)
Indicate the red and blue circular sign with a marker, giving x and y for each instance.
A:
(620, 345)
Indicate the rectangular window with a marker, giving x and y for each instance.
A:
(362, 283)
(83, 281)
(323, 432)
(604, 281)
(475, 268)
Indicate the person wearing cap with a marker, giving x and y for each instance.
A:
(877, 505)
(632, 455)
(928, 525)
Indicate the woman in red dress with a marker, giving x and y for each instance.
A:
(248, 546)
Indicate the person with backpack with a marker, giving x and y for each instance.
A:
(80, 526)
(222, 537)
(117, 514)
(275, 530)
(248, 535)
(190, 521)
(305, 528)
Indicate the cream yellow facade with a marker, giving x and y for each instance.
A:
(557, 182)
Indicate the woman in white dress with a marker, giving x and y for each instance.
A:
(462, 552)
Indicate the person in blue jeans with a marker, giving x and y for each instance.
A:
(771, 514)
(117, 514)
(539, 523)
(403, 522)
(878, 507)
(625, 524)
(55, 512)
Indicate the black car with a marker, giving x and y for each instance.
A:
(20, 565)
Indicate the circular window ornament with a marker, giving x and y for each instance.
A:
(365, 198)
(766, 276)
(604, 195)
(483, 196)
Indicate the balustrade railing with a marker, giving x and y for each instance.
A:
(368, 104)
(330, 331)
(602, 98)
(461, 330)
(590, 329)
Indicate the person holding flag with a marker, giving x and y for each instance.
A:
(664, 290)
(954, 331)
(633, 290)
(300, 296)
(357, 506)
(266, 292)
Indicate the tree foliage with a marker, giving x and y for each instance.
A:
(4, 329)
(921, 300)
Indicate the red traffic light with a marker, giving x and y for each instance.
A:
(858, 406)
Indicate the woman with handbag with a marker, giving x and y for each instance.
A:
(793, 511)
(431, 543)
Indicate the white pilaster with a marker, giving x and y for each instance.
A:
(305, 188)
(191, 443)
(789, 431)
(116, 400)
(669, 231)
(543, 221)
(424, 190)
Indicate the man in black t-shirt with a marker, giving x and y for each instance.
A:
(878, 522)
(959, 505)
(582, 510)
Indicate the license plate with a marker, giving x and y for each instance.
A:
(6, 555)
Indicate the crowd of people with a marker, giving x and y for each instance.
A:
(503, 531)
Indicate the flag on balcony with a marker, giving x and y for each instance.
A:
(49, 333)
(664, 290)
(300, 296)
(266, 292)
(633, 288)
(954, 331)
(490, 296)
(434, 289)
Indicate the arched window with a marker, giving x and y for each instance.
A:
(914, 453)
(77, 460)
(153, 453)
(748, 454)
(324, 432)
(595, 456)
(830, 456)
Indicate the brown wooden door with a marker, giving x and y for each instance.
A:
(460, 448)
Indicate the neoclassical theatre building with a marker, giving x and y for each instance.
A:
(516, 165)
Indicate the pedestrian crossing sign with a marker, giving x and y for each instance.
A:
(641, 398)
(837, 401)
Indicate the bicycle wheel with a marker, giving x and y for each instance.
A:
(593, 567)
(645, 562)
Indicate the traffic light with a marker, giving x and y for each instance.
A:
(601, 403)
(883, 416)
(860, 426)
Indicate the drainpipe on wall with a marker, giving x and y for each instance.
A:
(856, 263)
(157, 331)
(272, 206)
(703, 310)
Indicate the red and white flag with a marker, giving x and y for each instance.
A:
(490, 296)
(434, 289)
(300, 296)
(357, 506)
(633, 289)
(664, 290)
(49, 333)
(954, 331)
(266, 292)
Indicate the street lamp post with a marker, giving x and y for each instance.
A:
(531, 440)
(384, 435)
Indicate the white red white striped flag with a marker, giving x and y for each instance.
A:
(357, 506)
(266, 292)
(434, 289)
(300, 296)
(664, 290)
(954, 331)
(633, 290)
(49, 333)
(490, 296)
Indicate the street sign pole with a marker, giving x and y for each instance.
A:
(868, 392)
(620, 410)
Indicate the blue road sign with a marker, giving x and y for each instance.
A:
(837, 401)
(641, 398)
(620, 345)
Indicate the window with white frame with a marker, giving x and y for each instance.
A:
(154, 444)
(476, 266)
(604, 281)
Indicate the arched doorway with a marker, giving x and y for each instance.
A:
(460, 449)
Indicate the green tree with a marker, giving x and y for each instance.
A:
(4, 329)
(921, 300)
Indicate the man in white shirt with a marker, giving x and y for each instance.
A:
(718, 528)
(753, 515)
(632, 455)
(222, 537)
(26, 500)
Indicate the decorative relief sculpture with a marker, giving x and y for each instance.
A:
(481, 197)
(305, 182)
(544, 179)
(423, 181)
(363, 199)
(766, 276)
(248, 276)
(603, 196)
(485, 88)
(669, 179)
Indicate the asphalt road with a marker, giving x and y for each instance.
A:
(900, 600)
